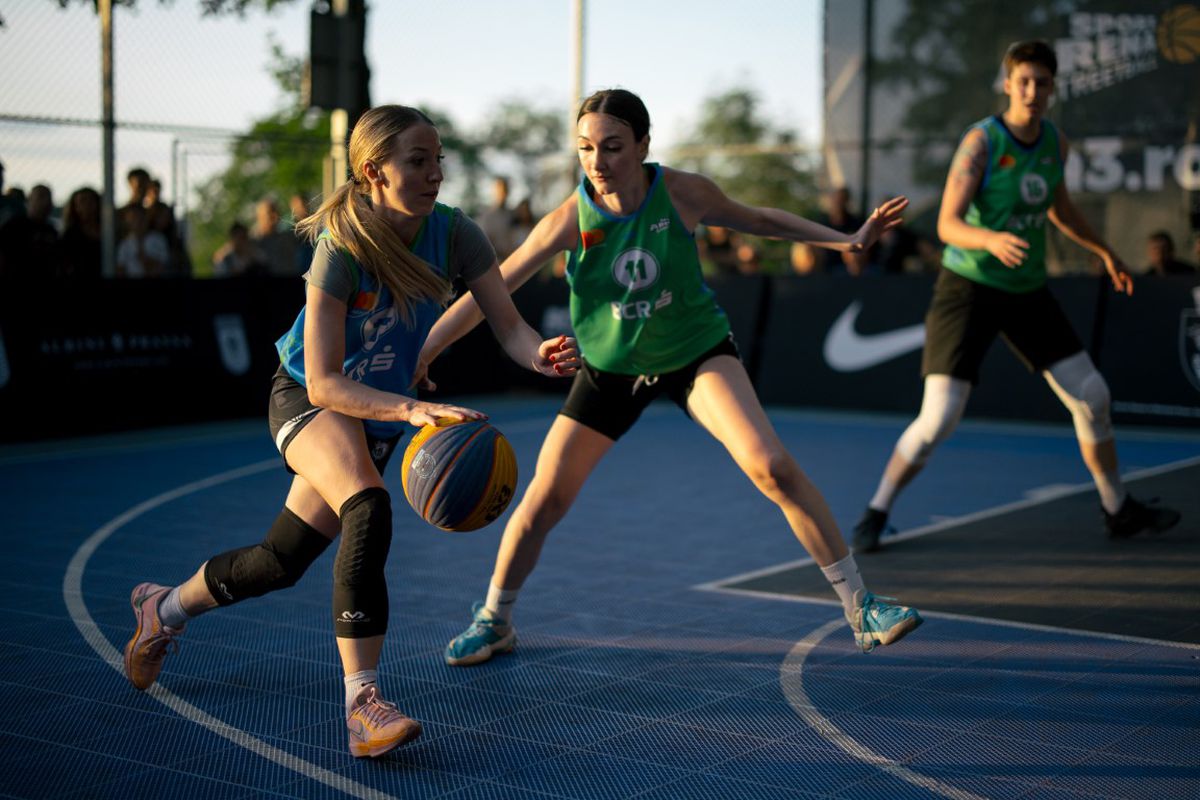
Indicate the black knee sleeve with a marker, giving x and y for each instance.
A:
(290, 547)
(360, 601)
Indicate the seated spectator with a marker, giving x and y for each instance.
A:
(239, 255)
(277, 246)
(9, 206)
(81, 239)
(1160, 252)
(143, 252)
(138, 179)
(29, 242)
(497, 220)
(522, 223)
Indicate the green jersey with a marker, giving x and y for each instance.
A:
(639, 304)
(1017, 190)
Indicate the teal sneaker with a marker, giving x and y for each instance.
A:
(876, 622)
(486, 637)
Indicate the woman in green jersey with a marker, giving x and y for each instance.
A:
(647, 325)
(1005, 181)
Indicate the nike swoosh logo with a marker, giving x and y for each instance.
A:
(849, 351)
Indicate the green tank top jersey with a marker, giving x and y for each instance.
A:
(639, 304)
(1016, 192)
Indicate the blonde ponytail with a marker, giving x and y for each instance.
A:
(353, 224)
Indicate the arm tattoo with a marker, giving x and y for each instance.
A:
(965, 167)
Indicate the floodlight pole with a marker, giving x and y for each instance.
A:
(339, 123)
(576, 85)
(108, 217)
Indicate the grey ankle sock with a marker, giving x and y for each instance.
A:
(170, 610)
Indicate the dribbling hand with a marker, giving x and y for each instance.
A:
(1122, 281)
(421, 413)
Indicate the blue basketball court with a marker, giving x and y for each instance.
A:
(641, 669)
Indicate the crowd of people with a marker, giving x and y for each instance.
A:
(66, 240)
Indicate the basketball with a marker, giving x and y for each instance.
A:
(459, 476)
(1179, 34)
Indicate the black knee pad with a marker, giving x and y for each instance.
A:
(277, 562)
(360, 602)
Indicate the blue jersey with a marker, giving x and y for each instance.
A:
(381, 350)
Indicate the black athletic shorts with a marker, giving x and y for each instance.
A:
(609, 403)
(964, 318)
(290, 411)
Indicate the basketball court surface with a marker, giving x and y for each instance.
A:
(673, 643)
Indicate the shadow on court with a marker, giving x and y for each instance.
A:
(1045, 564)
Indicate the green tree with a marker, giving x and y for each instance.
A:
(750, 159)
(527, 134)
(280, 154)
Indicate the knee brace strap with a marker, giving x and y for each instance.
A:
(360, 601)
(290, 547)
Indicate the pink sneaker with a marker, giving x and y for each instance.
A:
(377, 726)
(146, 650)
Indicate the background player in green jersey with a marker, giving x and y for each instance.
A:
(1005, 181)
(647, 325)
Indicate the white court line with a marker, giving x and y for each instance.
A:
(73, 596)
(791, 678)
(1066, 491)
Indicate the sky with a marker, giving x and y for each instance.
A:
(174, 66)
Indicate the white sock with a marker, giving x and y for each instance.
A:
(884, 495)
(171, 612)
(844, 578)
(1112, 491)
(501, 601)
(356, 682)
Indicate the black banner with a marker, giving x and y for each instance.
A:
(130, 354)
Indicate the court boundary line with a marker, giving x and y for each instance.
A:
(791, 681)
(77, 608)
(721, 585)
(72, 589)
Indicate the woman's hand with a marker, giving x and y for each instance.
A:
(419, 413)
(557, 357)
(1122, 281)
(1008, 248)
(883, 218)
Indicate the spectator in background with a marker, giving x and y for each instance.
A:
(1160, 253)
(29, 242)
(143, 252)
(240, 255)
(298, 205)
(718, 250)
(9, 206)
(498, 221)
(896, 251)
(522, 222)
(837, 215)
(278, 246)
(749, 260)
(162, 219)
(804, 259)
(81, 241)
(1196, 247)
(138, 179)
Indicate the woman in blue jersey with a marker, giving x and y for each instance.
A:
(386, 253)
(1005, 182)
(647, 326)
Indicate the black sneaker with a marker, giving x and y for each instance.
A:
(869, 529)
(1134, 518)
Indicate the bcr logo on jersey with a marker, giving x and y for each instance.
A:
(635, 269)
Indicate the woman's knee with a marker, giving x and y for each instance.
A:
(774, 472)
